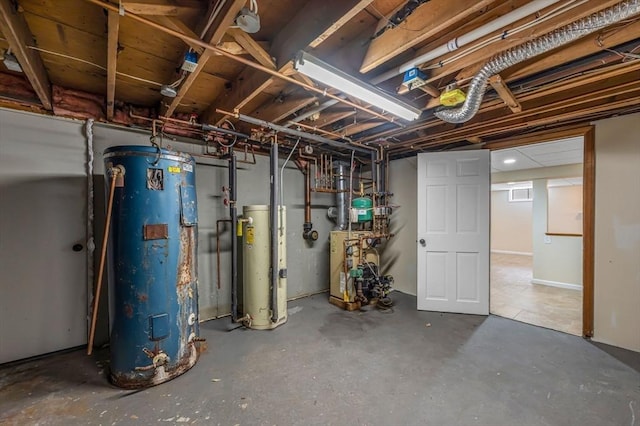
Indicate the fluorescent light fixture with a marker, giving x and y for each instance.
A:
(333, 77)
(509, 161)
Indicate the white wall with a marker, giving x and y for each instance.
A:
(399, 255)
(557, 260)
(511, 224)
(617, 232)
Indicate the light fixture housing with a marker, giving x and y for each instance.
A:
(330, 76)
(11, 62)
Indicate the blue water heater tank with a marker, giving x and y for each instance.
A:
(152, 266)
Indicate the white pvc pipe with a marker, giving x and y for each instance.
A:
(467, 38)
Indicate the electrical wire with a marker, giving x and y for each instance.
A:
(51, 52)
(235, 138)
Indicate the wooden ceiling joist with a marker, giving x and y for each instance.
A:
(467, 66)
(177, 25)
(16, 31)
(311, 24)
(252, 47)
(221, 24)
(505, 93)
(112, 58)
(277, 111)
(162, 7)
(426, 21)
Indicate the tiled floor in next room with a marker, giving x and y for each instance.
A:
(513, 296)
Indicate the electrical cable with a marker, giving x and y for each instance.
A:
(235, 138)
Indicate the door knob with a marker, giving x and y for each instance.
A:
(423, 242)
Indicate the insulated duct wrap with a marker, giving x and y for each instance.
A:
(530, 49)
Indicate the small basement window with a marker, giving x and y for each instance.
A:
(520, 194)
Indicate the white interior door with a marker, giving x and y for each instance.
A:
(453, 231)
(43, 291)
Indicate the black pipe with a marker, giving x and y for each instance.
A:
(303, 135)
(374, 170)
(233, 195)
(273, 207)
(383, 173)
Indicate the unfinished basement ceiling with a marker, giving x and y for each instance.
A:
(81, 60)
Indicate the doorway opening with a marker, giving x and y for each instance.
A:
(537, 234)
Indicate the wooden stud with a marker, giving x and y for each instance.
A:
(112, 58)
(505, 93)
(16, 31)
(426, 21)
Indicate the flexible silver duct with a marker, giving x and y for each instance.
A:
(528, 50)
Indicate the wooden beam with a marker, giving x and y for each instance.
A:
(309, 24)
(223, 21)
(537, 137)
(162, 7)
(505, 93)
(112, 58)
(16, 31)
(426, 21)
(346, 17)
(252, 47)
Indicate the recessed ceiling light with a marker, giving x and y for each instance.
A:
(509, 161)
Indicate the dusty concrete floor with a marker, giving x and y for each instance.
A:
(327, 366)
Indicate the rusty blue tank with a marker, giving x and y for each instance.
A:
(152, 266)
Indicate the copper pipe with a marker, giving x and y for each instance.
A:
(319, 130)
(218, 248)
(204, 45)
(115, 171)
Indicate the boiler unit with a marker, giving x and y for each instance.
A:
(152, 265)
(355, 277)
(264, 290)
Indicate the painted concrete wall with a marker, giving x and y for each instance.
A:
(556, 259)
(308, 270)
(511, 224)
(399, 255)
(43, 181)
(617, 232)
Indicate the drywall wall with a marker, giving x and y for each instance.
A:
(511, 224)
(617, 232)
(557, 260)
(307, 262)
(565, 209)
(399, 256)
(43, 181)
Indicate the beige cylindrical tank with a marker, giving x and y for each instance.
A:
(256, 264)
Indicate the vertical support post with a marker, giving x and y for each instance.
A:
(273, 218)
(233, 195)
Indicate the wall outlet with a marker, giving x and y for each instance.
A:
(547, 239)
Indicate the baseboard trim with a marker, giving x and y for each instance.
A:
(557, 284)
(519, 253)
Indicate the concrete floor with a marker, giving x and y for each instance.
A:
(327, 366)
